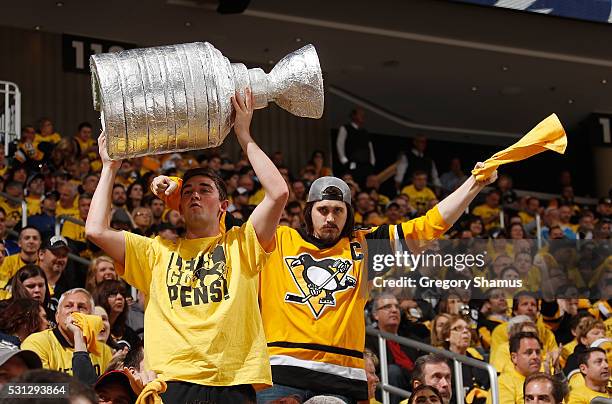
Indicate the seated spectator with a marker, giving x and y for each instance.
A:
(53, 259)
(565, 215)
(135, 193)
(68, 202)
(490, 210)
(500, 357)
(593, 364)
(317, 159)
(437, 326)
(44, 221)
(419, 193)
(77, 391)
(143, 219)
(105, 332)
(74, 232)
(433, 370)
(30, 282)
(525, 303)
(603, 211)
(12, 206)
(586, 226)
(525, 351)
(87, 145)
(532, 208)
(425, 394)
(100, 269)
(9, 244)
(90, 182)
(46, 133)
(457, 336)
(493, 313)
(371, 364)
(21, 318)
(134, 362)
(588, 331)
(451, 179)
(35, 191)
(543, 388)
(117, 386)
(111, 295)
(15, 362)
(507, 195)
(167, 232)
(63, 347)
(386, 312)
(29, 242)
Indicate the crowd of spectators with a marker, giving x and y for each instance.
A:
(556, 323)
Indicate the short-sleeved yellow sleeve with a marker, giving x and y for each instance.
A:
(251, 251)
(139, 261)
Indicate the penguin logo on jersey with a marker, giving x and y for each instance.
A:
(318, 281)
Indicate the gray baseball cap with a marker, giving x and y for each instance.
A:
(319, 190)
(8, 350)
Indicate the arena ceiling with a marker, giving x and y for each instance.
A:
(430, 62)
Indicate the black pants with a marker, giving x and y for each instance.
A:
(190, 393)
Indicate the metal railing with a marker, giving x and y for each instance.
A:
(10, 113)
(456, 358)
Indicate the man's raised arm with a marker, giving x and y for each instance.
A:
(453, 206)
(98, 228)
(267, 214)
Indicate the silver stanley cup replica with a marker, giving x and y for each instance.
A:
(177, 98)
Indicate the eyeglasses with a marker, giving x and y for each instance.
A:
(460, 328)
(388, 307)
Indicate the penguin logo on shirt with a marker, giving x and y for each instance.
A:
(318, 281)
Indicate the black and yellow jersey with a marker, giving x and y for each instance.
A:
(312, 297)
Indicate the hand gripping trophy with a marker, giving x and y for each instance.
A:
(177, 98)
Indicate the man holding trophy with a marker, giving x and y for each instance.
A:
(204, 334)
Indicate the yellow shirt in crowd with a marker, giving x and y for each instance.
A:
(12, 212)
(419, 199)
(53, 138)
(33, 204)
(70, 211)
(56, 353)
(510, 388)
(486, 212)
(9, 267)
(202, 319)
(584, 395)
(74, 231)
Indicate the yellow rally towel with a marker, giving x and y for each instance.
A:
(91, 325)
(150, 393)
(548, 135)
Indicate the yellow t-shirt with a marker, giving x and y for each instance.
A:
(419, 199)
(202, 320)
(9, 267)
(500, 335)
(486, 212)
(12, 212)
(33, 205)
(53, 138)
(74, 231)
(56, 353)
(584, 395)
(71, 211)
(257, 197)
(526, 217)
(510, 388)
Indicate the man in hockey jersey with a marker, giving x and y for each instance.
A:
(315, 286)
